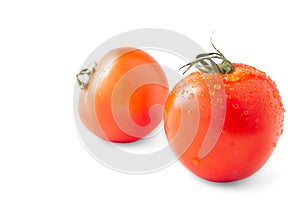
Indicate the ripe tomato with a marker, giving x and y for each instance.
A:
(123, 96)
(224, 126)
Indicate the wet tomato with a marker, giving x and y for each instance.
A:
(122, 95)
(223, 124)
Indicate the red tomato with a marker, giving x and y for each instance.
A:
(251, 126)
(124, 97)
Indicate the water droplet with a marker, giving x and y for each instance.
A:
(281, 105)
(201, 95)
(183, 91)
(217, 86)
(251, 94)
(237, 96)
(191, 96)
(219, 100)
(233, 78)
(226, 85)
(257, 120)
(271, 105)
(274, 144)
(231, 88)
(268, 94)
(281, 131)
(225, 78)
(212, 93)
(195, 161)
(270, 123)
(189, 112)
(202, 108)
(275, 94)
(246, 112)
(228, 96)
(255, 89)
(265, 110)
(244, 99)
(235, 106)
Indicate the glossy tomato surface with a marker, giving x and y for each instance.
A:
(125, 97)
(251, 125)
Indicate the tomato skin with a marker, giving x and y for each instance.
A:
(252, 127)
(118, 105)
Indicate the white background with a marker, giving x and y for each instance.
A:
(42, 47)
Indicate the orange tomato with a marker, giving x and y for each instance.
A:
(125, 96)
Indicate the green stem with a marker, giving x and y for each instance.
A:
(201, 64)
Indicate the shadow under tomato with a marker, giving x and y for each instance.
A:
(263, 178)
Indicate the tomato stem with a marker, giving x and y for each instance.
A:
(204, 63)
(84, 76)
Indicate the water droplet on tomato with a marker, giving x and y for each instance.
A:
(235, 106)
(246, 112)
(257, 120)
(201, 95)
(237, 96)
(244, 99)
(274, 144)
(275, 94)
(195, 161)
(217, 86)
(189, 112)
(270, 123)
(191, 96)
(281, 105)
(233, 78)
(219, 100)
(226, 85)
(281, 131)
(212, 93)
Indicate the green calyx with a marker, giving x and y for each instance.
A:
(204, 63)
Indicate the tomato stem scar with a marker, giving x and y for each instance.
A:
(84, 76)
